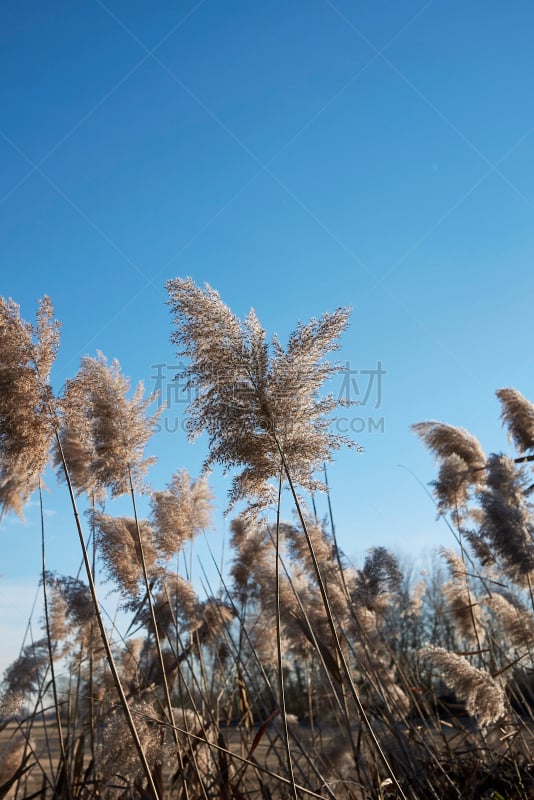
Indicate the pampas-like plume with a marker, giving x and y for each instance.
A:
(455, 564)
(117, 757)
(72, 610)
(465, 609)
(25, 675)
(323, 548)
(11, 703)
(483, 696)
(180, 512)
(176, 606)
(104, 433)
(507, 478)
(57, 620)
(446, 440)
(255, 401)
(517, 413)
(119, 545)
(453, 483)
(379, 575)
(26, 405)
(516, 621)
(253, 558)
(462, 462)
(214, 617)
(509, 529)
(505, 528)
(416, 599)
(80, 608)
(253, 573)
(196, 737)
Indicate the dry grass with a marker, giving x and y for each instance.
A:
(304, 676)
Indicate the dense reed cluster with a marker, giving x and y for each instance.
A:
(300, 674)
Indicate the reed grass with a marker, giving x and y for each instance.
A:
(302, 675)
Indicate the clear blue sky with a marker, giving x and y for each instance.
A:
(298, 156)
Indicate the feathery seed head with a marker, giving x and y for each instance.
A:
(444, 440)
(506, 477)
(516, 621)
(462, 462)
(25, 674)
(453, 483)
(484, 697)
(117, 756)
(26, 402)
(118, 543)
(465, 609)
(254, 400)
(380, 574)
(11, 703)
(214, 617)
(508, 527)
(104, 433)
(252, 563)
(466, 612)
(176, 606)
(417, 598)
(454, 562)
(180, 512)
(517, 413)
(72, 601)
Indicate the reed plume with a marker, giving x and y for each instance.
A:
(507, 477)
(25, 675)
(509, 529)
(176, 606)
(213, 619)
(516, 621)
(302, 556)
(483, 695)
(11, 703)
(466, 611)
(56, 627)
(256, 401)
(416, 599)
(252, 558)
(462, 461)
(180, 512)
(117, 757)
(103, 433)
(324, 549)
(517, 413)
(72, 610)
(380, 575)
(26, 401)
(80, 609)
(202, 768)
(253, 572)
(118, 542)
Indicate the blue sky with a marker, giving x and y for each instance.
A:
(298, 156)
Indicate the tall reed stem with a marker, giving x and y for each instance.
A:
(279, 641)
(63, 764)
(331, 623)
(103, 633)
